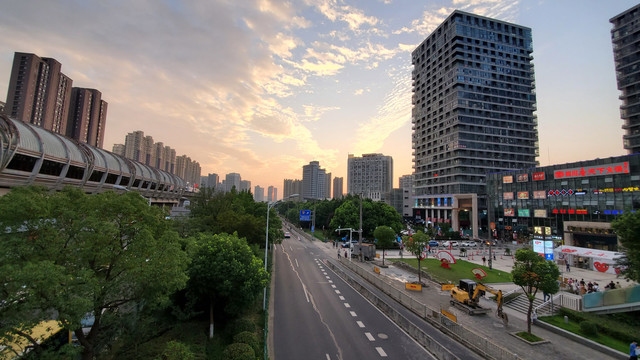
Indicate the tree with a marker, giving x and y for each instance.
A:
(627, 227)
(374, 214)
(532, 273)
(416, 244)
(385, 236)
(69, 254)
(225, 273)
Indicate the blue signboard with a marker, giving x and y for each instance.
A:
(305, 215)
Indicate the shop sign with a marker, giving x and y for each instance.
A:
(523, 195)
(523, 178)
(538, 176)
(598, 170)
(571, 211)
(509, 212)
(507, 179)
(507, 196)
(540, 194)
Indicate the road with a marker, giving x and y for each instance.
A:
(316, 315)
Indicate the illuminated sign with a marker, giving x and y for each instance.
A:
(563, 192)
(538, 246)
(523, 195)
(540, 194)
(523, 178)
(507, 196)
(507, 179)
(611, 169)
(540, 213)
(610, 190)
(570, 211)
(538, 176)
(523, 212)
(509, 212)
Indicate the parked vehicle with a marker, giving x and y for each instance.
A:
(433, 243)
(450, 244)
(469, 244)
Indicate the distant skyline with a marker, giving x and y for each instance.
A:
(263, 87)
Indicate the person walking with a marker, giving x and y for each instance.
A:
(568, 269)
(484, 261)
(633, 355)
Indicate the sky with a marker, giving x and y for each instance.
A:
(263, 87)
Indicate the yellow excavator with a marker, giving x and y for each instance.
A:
(467, 297)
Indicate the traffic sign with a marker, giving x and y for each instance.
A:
(305, 215)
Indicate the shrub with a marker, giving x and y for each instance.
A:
(248, 338)
(589, 328)
(238, 351)
(177, 351)
(507, 251)
(243, 324)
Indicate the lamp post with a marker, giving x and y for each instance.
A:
(266, 245)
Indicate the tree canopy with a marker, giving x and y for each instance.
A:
(416, 244)
(532, 273)
(385, 237)
(225, 273)
(374, 214)
(67, 254)
(627, 227)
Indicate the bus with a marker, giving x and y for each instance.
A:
(46, 333)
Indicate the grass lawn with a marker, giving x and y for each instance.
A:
(574, 327)
(460, 270)
(316, 234)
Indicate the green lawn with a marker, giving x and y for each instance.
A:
(574, 327)
(460, 270)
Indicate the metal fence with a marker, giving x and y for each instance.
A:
(470, 337)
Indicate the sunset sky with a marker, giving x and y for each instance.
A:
(263, 87)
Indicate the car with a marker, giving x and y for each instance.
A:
(287, 235)
(468, 244)
(433, 243)
(450, 244)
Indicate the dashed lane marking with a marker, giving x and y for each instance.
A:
(360, 323)
(381, 352)
(369, 336)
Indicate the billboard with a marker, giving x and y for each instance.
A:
(540, 213)
(523, 195)
(523, 178)
(539, 194)
(524, 212)
(507, 196)
(509, 212)
(507, 179)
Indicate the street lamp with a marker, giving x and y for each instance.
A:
(266, 245)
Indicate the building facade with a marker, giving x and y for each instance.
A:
(245, 185)
(370, 176)
(625, 36)
(272, 194)
(338, 188)
(232, 180)
(405, 183)
(87, 117)
(573, 203)
(292, 187)
(473, 112)
(258, 194)
(327, 186)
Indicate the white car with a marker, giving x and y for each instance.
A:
(469, 244)
(450, 243)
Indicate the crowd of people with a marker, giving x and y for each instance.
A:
(581, 287)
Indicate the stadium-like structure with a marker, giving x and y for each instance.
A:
(31, 155)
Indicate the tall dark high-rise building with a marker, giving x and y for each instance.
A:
(625, 36)
(39, 93)
(473, 112)
(313, 181)
(87, 117)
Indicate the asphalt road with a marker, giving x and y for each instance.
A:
(316, 315)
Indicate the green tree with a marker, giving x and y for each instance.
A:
(225, 274)
(627, 227)
(374, 214)
(532, 273)
(70, 253)
(385, 236)
(416, 244)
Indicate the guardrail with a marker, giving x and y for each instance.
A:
(467, 336)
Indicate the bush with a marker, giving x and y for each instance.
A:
(177, 351)
(248, 338)
(238, 351)
(239, 325)
(589, 328)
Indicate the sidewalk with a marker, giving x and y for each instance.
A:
(489, 326)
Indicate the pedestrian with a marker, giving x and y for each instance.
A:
(345, 254)
(484, 260)
(633, 351)
(546, 296)
(568, 269)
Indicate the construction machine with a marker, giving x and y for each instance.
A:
(467, 297)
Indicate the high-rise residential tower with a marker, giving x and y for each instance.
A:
(292, 187)
(473, 112)
(232, 180)
(625, 36)
(313, 181)
(370, 176)
(87, 117)
(337, 188)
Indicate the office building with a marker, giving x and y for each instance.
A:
(313, 181)
(625, 36)
(370, 176)
(292, 187)
(473, 113)
(258, 194)
(337, 188)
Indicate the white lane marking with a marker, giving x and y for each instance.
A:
(328, 277)
(369, 336)
(341, 297)
(381, 352)
(360, 323)
(353, 313)
(330, 281)
(328, 357)
(333, 286)
(297, 265)
(347, 305)
(324, 273)
(290, 248)
(337, 291)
